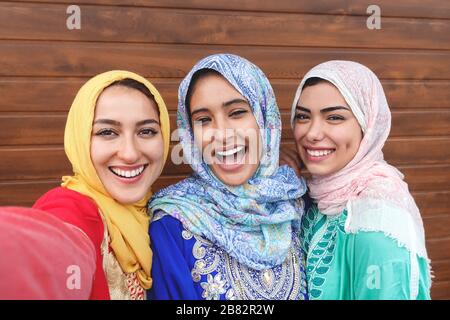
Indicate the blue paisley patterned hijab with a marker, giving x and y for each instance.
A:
(252, 222)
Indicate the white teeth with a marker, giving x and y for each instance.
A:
(319, 153)
(128, 174)
(230, 152)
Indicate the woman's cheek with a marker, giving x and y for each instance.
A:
(157, 148)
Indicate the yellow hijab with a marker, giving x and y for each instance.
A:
(127, 224)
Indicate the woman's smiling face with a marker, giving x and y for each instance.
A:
(225, 129)
(126, 143)
(326, 132)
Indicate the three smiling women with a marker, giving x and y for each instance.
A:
(241, 226)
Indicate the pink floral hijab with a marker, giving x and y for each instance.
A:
(372, 191)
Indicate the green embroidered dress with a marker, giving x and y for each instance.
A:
(359, 265)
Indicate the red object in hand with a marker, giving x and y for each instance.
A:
(42, 257)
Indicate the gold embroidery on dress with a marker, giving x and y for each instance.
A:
(122, 286)
(236, 281)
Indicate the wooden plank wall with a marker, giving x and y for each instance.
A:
(42, 64)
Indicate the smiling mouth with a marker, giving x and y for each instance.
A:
(231, 156)
(319, 153)
(128, 174)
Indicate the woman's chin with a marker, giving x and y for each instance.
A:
(235, 177)
(127, 197)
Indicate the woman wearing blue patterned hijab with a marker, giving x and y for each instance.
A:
(230, 230)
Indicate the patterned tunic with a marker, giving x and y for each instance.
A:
(362, 265)
(187, 266)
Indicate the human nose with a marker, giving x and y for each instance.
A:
(315, 131)
(224, 132)
(129, 150)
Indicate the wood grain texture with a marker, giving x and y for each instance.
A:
(440, 290)
(75, 59)
(152, 25)
(24, 94)
(43, 65)
(438, 9)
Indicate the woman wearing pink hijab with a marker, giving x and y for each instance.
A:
(363, 234)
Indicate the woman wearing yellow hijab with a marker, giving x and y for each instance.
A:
(117, 140)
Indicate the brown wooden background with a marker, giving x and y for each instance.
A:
(42, 65)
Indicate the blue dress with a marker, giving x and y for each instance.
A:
(189, 267)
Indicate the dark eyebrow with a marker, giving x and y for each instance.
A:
(233, 101)
(329, 109)
(107, 121)
(148, 121)
(225, 104)
(324, 110)
(300, 108)
(198, 111)
(117, 123)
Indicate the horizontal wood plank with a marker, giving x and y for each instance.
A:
(438, 249)
(174, 61)
(441, 270)
(400, 94)
(440, 290)
(399, 8)
(57, 94)
(425, 178)
(405, 151)
(437, 227)
(433, 203)
(37, 129)
(112, 24)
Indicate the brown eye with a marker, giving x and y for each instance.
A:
(106, 133)
(202, 120)
(301, 116)
(335, 118)
(238, 113)
(148, 132)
